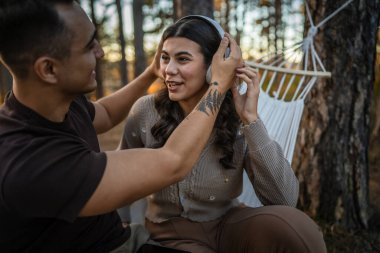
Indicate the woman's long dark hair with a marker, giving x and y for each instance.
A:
(171, 114)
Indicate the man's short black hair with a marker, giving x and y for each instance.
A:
(30, 29)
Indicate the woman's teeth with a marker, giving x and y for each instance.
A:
(172, 84)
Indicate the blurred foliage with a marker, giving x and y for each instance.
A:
(262, 26)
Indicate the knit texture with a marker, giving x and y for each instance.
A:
(210, 190)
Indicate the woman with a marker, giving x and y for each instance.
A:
(202, 213)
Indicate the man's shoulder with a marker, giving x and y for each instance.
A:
(82, 105)
(11, 125)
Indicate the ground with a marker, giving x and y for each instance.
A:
(338, 240)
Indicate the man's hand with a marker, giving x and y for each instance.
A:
(223, 69)
(154, 67)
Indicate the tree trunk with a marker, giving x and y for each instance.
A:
(226, 21)
(189, 7)
(278, 27)
(376, 125)
(331, 156)
(376, 106)
(239, 15)
(123, 61)
(138, 20)
(98, 68)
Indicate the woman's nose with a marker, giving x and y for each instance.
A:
(171, 68)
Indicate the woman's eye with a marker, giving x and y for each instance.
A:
(183, 59)
(164, 57)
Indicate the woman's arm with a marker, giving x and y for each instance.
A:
(269, 171)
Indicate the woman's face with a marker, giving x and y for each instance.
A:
(184, 70)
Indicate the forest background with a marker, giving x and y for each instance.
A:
(337, 155)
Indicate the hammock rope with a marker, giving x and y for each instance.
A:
(287, 77)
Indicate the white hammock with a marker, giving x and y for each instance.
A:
(286, 79)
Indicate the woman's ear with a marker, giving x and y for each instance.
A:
(46, 69)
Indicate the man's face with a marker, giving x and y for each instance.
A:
(77, 75)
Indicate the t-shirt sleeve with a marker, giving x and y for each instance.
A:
(52, 178)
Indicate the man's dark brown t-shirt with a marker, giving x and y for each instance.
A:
(48, 171)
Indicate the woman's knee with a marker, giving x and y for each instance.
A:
(276, 229)
(293, 226)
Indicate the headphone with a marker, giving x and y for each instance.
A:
(242, 87)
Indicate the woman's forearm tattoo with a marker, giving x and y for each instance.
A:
(211, 103)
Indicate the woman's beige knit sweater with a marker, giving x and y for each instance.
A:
(210, 190)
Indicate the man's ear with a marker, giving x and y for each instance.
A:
(46, 68)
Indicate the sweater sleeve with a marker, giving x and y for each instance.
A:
(134, 126)
(269, 171)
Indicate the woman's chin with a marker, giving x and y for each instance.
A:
(174, 97)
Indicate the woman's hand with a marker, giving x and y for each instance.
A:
(246, 104)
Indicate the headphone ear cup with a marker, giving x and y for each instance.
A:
(242, 88)
(208, 75)
(227, 53)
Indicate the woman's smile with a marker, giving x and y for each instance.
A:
(173, 85)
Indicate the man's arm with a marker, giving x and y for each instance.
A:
(111, 110)
(134, 173)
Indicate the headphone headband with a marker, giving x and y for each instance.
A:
(208, 20)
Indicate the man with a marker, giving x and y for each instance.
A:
(58, 192)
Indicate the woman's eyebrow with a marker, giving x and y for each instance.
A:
(183, 52)
(178, 53)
